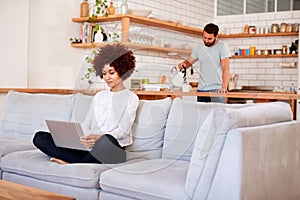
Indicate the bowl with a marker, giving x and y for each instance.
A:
(140, 12)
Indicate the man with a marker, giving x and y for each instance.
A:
(214, 56)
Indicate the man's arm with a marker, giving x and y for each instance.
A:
(187, 63)
(225, 75)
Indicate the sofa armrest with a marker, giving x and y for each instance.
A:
(259, 163)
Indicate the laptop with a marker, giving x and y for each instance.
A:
(66, 134)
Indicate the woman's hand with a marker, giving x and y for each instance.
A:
(90, 140)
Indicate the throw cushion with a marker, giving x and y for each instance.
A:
(149, 128)
(184, 120)
(212, 134)
(24, 114)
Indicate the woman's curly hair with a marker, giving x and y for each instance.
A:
(118, 57)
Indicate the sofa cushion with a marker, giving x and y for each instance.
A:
(35, 164)
(24, 114)
(150, 179)
(212, 134)
(149, 128)
(80, 107)
(11, 143)
(184, 120)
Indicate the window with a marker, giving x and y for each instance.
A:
(231, 7)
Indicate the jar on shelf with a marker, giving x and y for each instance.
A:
(284, 49)
(283, 27)
(289, 28)
(274, 28)
(84, 8)
(252, 29)
(246, 29)
(111, 9)
(295, 27)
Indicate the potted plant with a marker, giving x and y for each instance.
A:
(90, 75)
(100, 9)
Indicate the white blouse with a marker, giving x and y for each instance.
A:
(112, 113)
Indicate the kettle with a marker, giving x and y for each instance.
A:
(178, 77)
(232, 81)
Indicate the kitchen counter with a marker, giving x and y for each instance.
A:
(291, 98)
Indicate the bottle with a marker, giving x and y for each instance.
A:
(292, 88)
(124, 7)
(111, 9)
(84, 8)
(246, 29)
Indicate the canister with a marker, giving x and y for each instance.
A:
(284, 49)
(289, 28)
(274, 28)
(295, 27)
(258, 51)
(283, 27)
(252, 50)
(252, 29)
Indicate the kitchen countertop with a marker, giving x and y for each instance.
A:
(258, 96)
(235, 94)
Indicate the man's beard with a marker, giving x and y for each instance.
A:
(210, 44)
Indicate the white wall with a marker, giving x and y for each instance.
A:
(14, 43)
(36, 53)
(53, 63)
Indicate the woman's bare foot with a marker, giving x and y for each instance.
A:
(59, 161)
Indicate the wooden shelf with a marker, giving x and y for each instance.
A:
(144, 21)
(268, 56)
(170, 51)
(242, 35)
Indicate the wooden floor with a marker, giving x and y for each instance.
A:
(13, 191)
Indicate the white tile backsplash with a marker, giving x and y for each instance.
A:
(258, 71)
(250, 70)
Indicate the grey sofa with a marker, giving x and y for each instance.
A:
(181, 150)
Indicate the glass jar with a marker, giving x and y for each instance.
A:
(283, 27)
(252, 29)
(284, 49)
(274, 28)
(84, 9)
(295, 27)
(289, 28)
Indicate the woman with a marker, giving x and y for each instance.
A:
(109, 121)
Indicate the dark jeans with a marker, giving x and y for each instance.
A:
(210, 99)
(106, 150)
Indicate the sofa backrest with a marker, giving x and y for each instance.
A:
(184, 120)
(81, 105)
(149, 129)
(259, 162)
(25, 114)
(211, 136)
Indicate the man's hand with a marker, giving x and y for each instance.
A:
(222, 90)
(185, 64)
(90, 140)
(181, 65)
